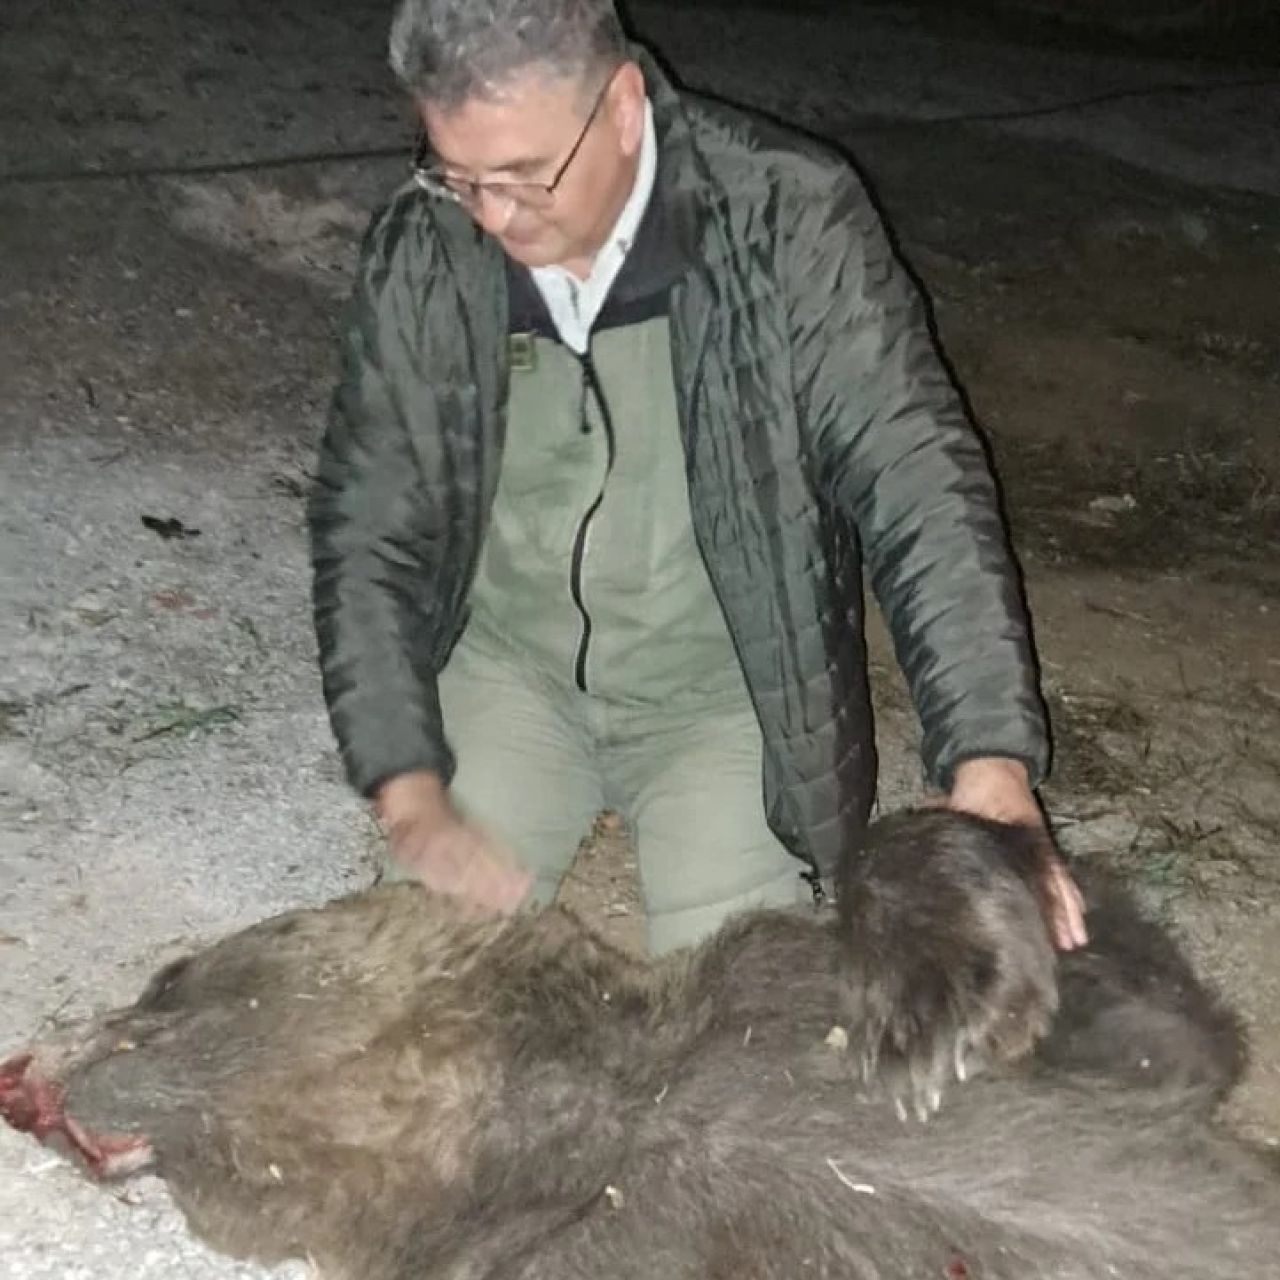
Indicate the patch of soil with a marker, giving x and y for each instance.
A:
(1119, 341)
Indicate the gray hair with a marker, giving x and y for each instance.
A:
(447, 51)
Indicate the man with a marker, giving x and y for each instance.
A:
(633, 385)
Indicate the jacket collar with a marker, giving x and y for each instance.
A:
(666, 240)
(681, 170)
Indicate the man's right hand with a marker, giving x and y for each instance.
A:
(430, 839)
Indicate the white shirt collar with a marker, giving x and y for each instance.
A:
(575, 304)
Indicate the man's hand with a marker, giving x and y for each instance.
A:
(429, 838)
(999, 789)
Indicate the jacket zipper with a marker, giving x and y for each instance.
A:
(590, 384)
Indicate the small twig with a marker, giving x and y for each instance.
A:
(51, 1019)
(188, 720)
(862, 1188)
(247, 626)
(1112, 611)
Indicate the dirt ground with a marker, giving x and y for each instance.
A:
(1099, 233)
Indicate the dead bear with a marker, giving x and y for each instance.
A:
(399, 1094)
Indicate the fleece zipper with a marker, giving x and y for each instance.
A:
(590, 386)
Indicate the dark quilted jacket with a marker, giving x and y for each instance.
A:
(820, 429)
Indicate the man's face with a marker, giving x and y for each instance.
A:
(524, 133)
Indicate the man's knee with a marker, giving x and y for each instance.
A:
(695, 874)
(672, 922)
(524, 768)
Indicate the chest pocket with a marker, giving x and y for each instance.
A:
(552, 470)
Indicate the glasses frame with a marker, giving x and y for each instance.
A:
(435, 181)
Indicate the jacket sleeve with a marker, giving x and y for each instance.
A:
(896, 453)
(372, 529)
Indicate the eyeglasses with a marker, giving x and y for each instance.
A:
(438, 182)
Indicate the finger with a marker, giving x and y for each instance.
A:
(449, 866)
(498, 886)
(1072, 902)
(510, 881)
(1067, 910)
(493, 878)
(477, 881)
(1076, 911)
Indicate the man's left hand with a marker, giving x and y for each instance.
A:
(999, 789)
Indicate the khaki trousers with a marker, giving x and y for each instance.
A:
(537, 760)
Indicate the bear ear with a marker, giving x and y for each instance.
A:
(1134, 1009)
